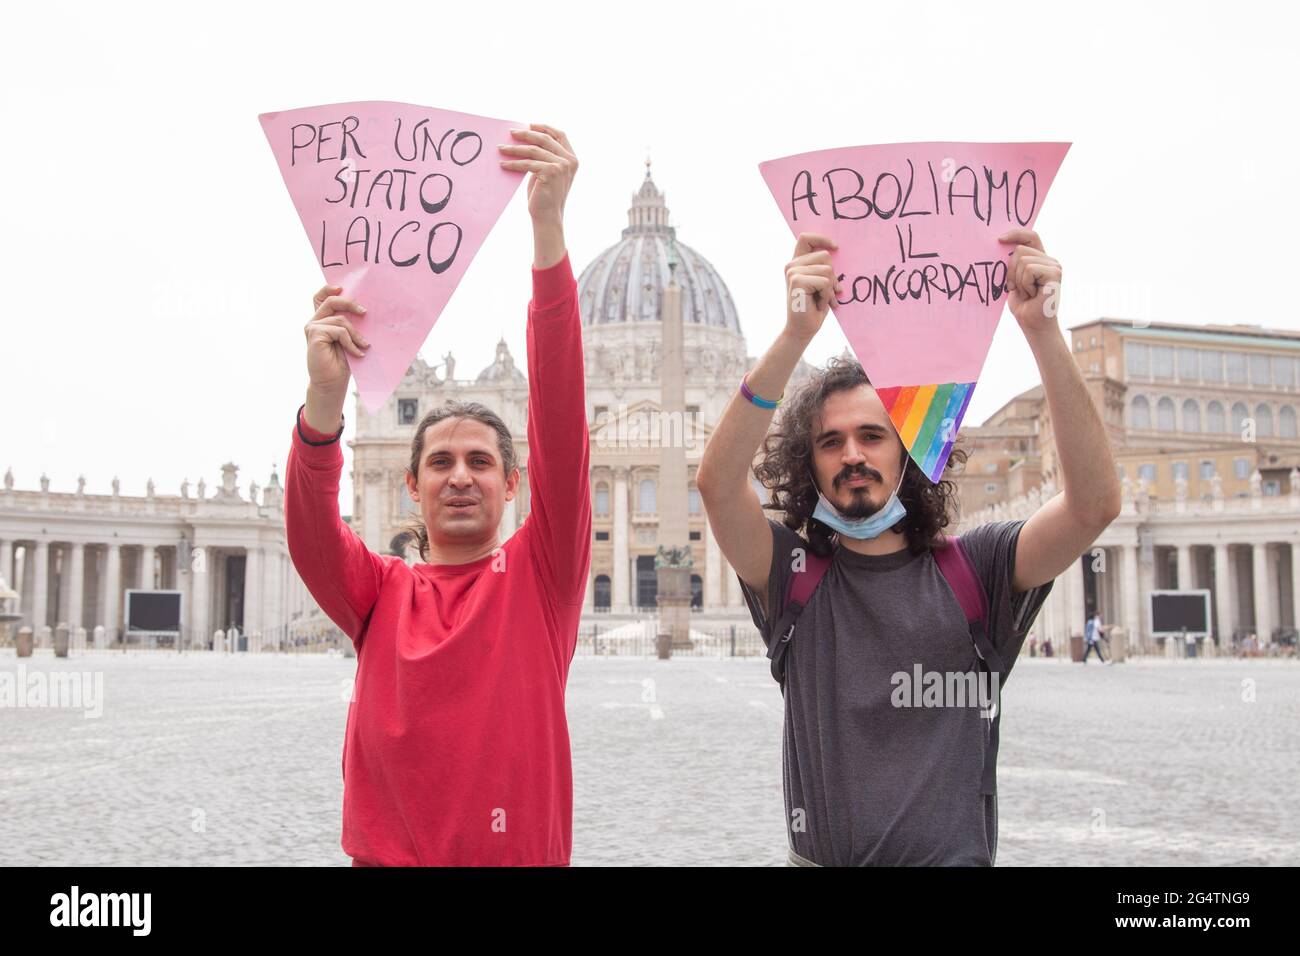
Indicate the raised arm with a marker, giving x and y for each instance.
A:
(559, 456)
(341, 573)
(1068, 523)
(730, 502)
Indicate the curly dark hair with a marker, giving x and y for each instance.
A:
(786, 469)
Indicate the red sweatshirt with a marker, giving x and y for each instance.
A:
(457, 748)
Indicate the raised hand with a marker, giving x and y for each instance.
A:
(330, 334)
(1033, 281)
(810, 284)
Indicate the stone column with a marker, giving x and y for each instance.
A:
(619, 598)
(195, 581)
(75, 582)
(273, 618)
(1133, 599)
(290, 603)
(1147, 584)
(254, 568)
(40, 585)
(23, 571)
(1113, 582)
(283, 602)
(712, 571)
(1185, 579)
(1072, 578)
(112, 595)
(1224, 606)
(1263, 605)
(7, 564)
(1295, 585)
(589, 598)
(63, 590)
(145, 579)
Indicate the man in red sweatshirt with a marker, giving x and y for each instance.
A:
(457, 748)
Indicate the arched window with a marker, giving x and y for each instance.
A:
(600, 600)
(1140, 412)
(1165, 415)
(1215, 421)
(1286, 422)
(1239, 416)
(602, 499)
(1191, 416)
(1264, 420)
(645, 499)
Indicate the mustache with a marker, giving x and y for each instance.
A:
(859, 471)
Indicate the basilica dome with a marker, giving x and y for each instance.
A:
(625, 282)
(503, 369)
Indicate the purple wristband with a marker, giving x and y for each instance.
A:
(749, 394)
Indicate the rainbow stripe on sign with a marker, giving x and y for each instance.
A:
(927, 418)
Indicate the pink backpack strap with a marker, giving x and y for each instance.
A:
(804, 583)
(954, 565)
(799, 592)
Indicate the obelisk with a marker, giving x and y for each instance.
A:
(673, 559)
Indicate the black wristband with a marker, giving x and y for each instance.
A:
(306, 440)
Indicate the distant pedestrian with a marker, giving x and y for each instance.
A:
(1093, 633)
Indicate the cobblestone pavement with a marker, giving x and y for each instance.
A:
(206, 759)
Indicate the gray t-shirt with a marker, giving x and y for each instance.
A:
(868, 782)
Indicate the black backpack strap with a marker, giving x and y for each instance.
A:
(993, 665)
(955, 566)
(779, 645)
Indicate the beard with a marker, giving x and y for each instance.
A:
(860, 503)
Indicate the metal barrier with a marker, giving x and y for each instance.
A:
(637, 639)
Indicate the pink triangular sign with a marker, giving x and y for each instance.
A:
(923, 274)
(396, 200)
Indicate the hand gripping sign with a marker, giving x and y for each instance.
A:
(923, 276)
(396, 200)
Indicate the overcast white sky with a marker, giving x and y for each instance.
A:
(156, 278)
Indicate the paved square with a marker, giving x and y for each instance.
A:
(203, 759)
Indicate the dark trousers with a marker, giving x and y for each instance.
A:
(1093, 647)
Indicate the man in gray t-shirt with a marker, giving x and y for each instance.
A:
(889, 712)
(867, 781)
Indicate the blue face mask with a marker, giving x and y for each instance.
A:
(861, 528)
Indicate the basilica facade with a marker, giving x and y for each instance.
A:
(1202, 421)
(621, 298)
(73, 558)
